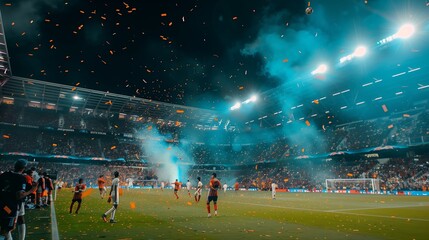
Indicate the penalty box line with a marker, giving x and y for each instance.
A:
(330, 211)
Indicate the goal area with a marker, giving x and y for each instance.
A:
(370, 184)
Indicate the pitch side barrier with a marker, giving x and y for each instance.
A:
(352, 191)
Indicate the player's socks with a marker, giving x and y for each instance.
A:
(21, 231)
(215, 208)
(208, 208)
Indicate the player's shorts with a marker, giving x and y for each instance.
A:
(21, 209)
(77, 200)
(176, 190)
(102, 189)
(8, 223)
(212, 198)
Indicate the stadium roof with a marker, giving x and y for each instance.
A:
(66, 97)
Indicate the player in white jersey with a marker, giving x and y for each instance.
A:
(188, 187)
(197, 194)
(225, 186)
(273, 190)
(130, 183)
(114, 198)
(162, 186)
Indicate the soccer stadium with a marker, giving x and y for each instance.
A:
(258, 119)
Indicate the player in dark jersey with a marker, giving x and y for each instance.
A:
(214, 185)
(12, 192)
(77, 196)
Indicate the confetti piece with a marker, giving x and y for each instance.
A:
(87, 192)
(54, 144)
(285, 60)
(6, 136)
(121, 192)
(74, 89)
(189, 203)
(406, 115)
(163, 14)
(235, 18)
(112, 147)
(307, 122)
(132, 205)
(390, 126)
(180, 111)
(384, 108)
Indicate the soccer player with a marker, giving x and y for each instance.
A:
(197, 193)
(40, 189)
(188, 187)
(130, 183)
(12, 192)
(77, 196)
(236, 186)
(49, 188)
(176, 188)
(273, 190)
(101, 186)
(114, 198)
(225, 186)
(162, 186)
(214, 185)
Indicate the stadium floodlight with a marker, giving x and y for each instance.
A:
(76, 97)
(359, 51)
(236, 106)
(405, 31)
(320, 69)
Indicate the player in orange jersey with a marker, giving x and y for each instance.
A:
(77, 196)
(101, 186)
(176, 188)
(214, 185)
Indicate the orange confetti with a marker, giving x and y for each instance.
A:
(180, 111)
(406, 115)
(390, 126)
(163, 14)
(108, 102)
(74, 88)
(112, 147)
(77, 84)
(240, 88)
(234, 18)
(285, 60)
(121, 192)
(54, 144)
(87, 192)
(8, 4)
(132, 205)
(170, 24)
(307, 122)
(149, 128)
(6, 136)
(189, 203)
(316, 101)
(384, 108)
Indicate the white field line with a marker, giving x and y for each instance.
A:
(54, 224)
(381, 207)
(330, 211)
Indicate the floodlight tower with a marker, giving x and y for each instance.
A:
(5, 70)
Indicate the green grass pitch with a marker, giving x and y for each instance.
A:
(247, 215)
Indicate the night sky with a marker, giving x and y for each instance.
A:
(198, 53)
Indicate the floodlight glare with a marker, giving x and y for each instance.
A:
(236, 106)
(359, 51)
(76, 97)
(405, 31)
(253, 98)
(320, 69)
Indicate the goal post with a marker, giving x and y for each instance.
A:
(372, 184)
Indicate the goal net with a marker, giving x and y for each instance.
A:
(370, 184)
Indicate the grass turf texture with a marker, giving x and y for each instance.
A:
(251, 215)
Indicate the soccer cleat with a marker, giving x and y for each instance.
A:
(215, 213)
(209, 215)
(104, 217)
(112, 221)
